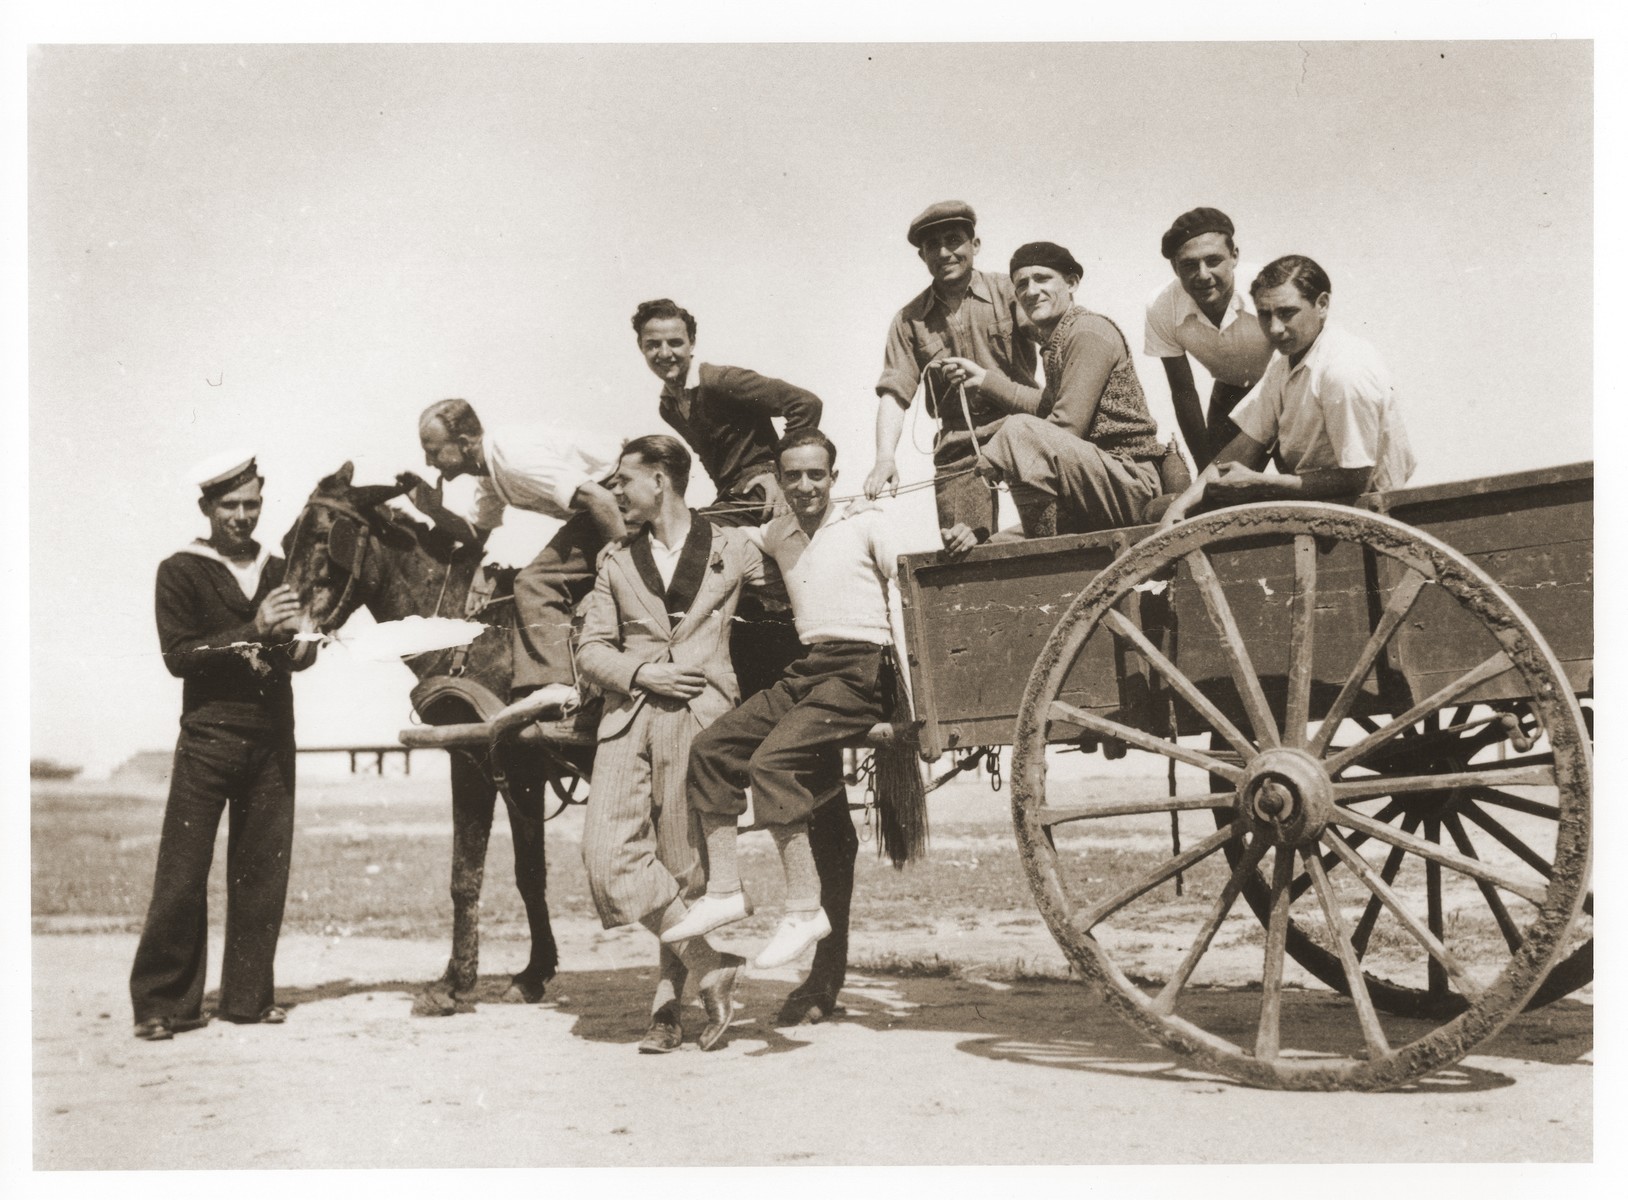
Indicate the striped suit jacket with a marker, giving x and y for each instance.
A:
(631, 619)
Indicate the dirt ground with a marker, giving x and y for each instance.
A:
(963, 1042)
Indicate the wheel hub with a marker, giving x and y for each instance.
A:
(1286, 795)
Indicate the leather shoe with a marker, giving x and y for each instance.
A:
(708, 913)
(154, 1029)
(552, 699)
(794, 936)
(718, 999)
(665, 1033)
(275, 1015)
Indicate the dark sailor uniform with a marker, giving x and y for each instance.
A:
(235, 753)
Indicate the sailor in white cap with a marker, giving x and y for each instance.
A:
(225, 626)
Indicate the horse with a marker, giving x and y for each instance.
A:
(348, 550)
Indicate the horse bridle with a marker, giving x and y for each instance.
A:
(348, 528)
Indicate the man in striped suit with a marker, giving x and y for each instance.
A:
(655, 639)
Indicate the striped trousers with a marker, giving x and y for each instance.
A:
(641, 844)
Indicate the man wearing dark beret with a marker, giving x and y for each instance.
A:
(1203, 313)
(1088, 459)
(225, 626)
(963, 336)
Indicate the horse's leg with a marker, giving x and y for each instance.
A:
(531, 878)
(473, 797)
(836, 846)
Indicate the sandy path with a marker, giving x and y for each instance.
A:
(922, 1071)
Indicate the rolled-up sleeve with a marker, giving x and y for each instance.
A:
(901, 374)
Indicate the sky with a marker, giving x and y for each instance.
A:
(294, 249)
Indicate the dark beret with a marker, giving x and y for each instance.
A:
(1189, 225)
(939, 214)
(1045, 254)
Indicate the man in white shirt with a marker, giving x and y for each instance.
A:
(1202, 312)
(1326, 403)
(556, 472)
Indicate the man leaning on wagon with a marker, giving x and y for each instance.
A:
(225, 624)
(966, 324)
(1325, 410)
(557, 472)
(1203, 312)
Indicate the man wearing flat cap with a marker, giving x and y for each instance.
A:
(963, 336)
(225, 625)
(1088, 459)
(1203, 313)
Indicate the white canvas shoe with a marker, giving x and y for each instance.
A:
(794, 936)
(708, 913)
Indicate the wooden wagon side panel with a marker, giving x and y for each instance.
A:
(1533, 533)
(976, 625)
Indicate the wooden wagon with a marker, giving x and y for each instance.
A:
(1403, 676)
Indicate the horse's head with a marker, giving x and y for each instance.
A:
(332, 562)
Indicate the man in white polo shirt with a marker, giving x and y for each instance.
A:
(557, 472)
(1326, 403)
(1202, 312)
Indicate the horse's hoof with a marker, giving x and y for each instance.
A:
(521, 991)
(439, 1002)
(808, 1008)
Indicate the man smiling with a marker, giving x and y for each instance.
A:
(963, 337)
(1204, 313)
(1326, 402)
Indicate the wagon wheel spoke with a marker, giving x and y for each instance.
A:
(1372, 1035)
(1387, 875)
(1097, 913)
(1068, 714)
(1185, 687)
(1396, 609)
(1231, 643)
(1303, 881)
(1347, 790)
(1277, 937)
(1495, 902)
(1490, 669)
(1410, 922)
(1521, 804)
(1303, 606)
(1435, 977)
(1049, 816)
(1165, 1001)
(1431, 852)
(1512, 843)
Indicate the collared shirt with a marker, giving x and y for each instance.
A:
(987, 328)
(837, 580)
(538, 470)
(1337, 408)
(726, 415)
(247, 574)
(1235, 352)
(666, 557)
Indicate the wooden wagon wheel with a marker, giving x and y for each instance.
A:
(1447, 742)
(1294, 798)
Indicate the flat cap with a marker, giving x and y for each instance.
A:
(1189, 225)
(941, 213)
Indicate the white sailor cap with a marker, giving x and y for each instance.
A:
(221, 473)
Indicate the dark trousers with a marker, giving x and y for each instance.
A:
(1219, 429)
(786, 742)
(546, 592)
(251, 775)
(963, 499)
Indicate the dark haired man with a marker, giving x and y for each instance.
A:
(655, 639)
(726, 414)
(1089, 459)
(1325, 409)
(556, 472)
(964, 337)
(786, 742)
(225, 625)
(1202, 312)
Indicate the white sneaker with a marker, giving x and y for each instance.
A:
(708, 913)
(794, 936)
